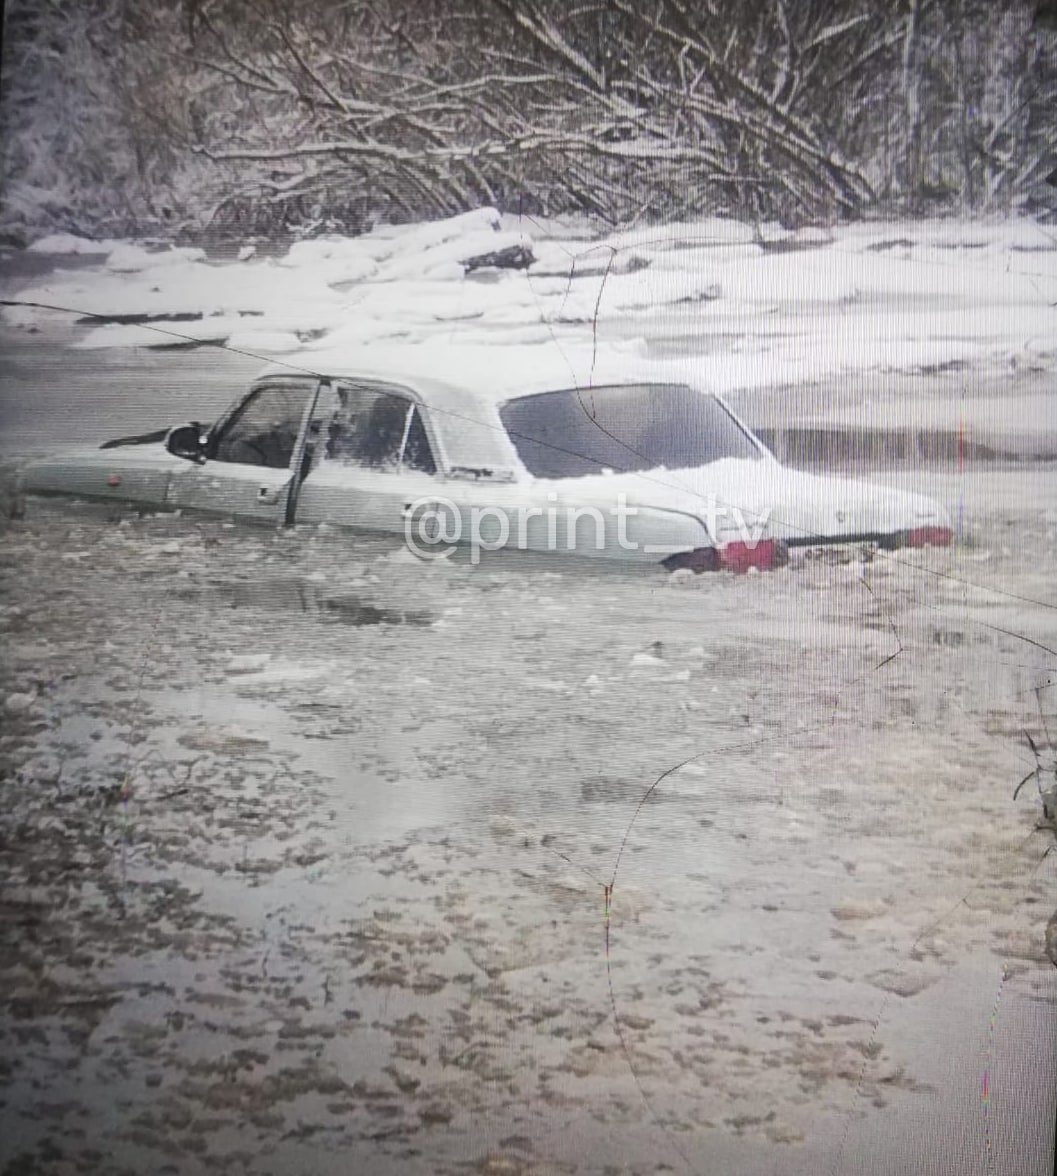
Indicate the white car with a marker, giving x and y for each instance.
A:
(498, 454)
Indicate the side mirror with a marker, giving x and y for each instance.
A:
(185, 441)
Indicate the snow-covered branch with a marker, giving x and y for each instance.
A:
(792, 109)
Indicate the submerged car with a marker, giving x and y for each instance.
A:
(622, 468)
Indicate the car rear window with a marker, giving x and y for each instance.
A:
(582, 431)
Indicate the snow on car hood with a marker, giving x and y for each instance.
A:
(740, 498)
(800, 506)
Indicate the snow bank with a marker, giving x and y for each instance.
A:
(130, 259)
(761, 304)
(709, 231)
(279, 342)
(68, 243)
(440, 253)
(425, 236)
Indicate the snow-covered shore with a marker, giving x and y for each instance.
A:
(757, 308)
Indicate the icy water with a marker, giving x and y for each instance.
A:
(51, 395)
(316, 858)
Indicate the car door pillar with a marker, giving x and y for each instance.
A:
(297, 459)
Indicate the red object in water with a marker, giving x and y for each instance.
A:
(114, 480)
(739, 557)
(930, 537)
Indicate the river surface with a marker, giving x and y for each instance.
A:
(317, 859)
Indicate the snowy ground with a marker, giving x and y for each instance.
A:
(304, 847)
(304, 851)
(781, 307)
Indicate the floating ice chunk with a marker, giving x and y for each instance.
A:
(130, 259)
(268, 341)
(647, 660)
(401, 555)
(68, 243)
(246, 663)
(19, 704)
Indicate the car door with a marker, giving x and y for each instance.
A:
(255, 455)
(376, 462)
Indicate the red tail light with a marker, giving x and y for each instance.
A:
(930, 537)
(739, 557)
(764, 555)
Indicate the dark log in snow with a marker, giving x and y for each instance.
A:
(513, 257)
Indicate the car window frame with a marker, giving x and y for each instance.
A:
(296, 473)
(231, 414)
(722, 402)
(313, 385)
(414, 403)
(500, 405)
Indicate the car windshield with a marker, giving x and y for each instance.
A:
(583, 431)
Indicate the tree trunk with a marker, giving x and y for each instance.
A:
(913, 178)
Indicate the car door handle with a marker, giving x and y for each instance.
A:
(269, 495)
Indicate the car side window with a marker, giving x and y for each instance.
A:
(264, 430)
(379, 430)
(417, 452)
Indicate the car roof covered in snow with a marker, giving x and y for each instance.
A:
(486, 373)
(463, 387)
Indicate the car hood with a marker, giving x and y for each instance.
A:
(747, 499)
(801, 507)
